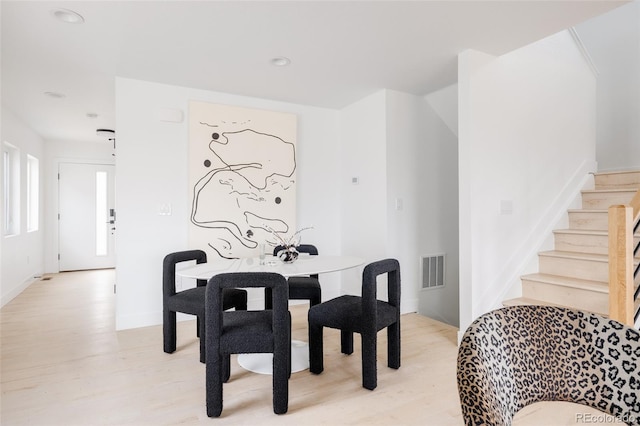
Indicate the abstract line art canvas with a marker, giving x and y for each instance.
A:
(242, 178)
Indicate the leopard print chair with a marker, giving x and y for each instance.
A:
(515, 356)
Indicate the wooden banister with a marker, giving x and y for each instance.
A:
(622, 221)
(635, 205)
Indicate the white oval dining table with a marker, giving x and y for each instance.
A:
(304, 265)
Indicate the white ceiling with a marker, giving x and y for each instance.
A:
(340, 51)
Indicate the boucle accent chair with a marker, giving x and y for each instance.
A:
(189, 301)
(235, 332)
(361, 314)
(300, 288)
(515, 356)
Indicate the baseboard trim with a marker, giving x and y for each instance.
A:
(14, 292)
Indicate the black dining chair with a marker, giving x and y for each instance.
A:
(361, 314)
(235, 332)
(189, 301)
(300, 288)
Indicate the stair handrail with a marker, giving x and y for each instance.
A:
(623, 296)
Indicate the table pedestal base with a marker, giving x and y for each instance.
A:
(263, 363)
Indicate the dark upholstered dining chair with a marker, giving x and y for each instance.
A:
(235, 332)
(300, 288)
(361, 314)
(516, 356)
(190, 301)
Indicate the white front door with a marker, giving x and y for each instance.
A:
(86, 220)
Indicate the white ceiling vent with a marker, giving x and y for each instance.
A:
(432, 268)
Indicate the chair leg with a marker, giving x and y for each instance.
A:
(289, 352)
(315, 299)
(281, 372)
(242, 304)
(197, 326)
(169, 331)
(393, 345)
(346, 342)
(226, 368)
(369, 355)
(315, 349)
(201, 334)
(268, 298)
(214, 384)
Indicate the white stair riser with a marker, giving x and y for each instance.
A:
(603, 200)
(567, 296)
(574, 268)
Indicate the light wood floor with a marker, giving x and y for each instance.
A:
(63, 363)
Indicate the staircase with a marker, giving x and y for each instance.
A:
(576, 273)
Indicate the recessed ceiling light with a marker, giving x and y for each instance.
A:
(280, 61)
(68, 16)
(54, 95)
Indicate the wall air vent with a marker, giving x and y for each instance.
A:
(432, 268)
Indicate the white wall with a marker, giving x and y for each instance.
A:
(363, 206)
(613, 41)
(22, 254)
(152, 170)
(374, 140)
(527, 128)
(56, 152)
(422, 197)
(404, 193)
(437, 223)
(405, 202)
(444, 103)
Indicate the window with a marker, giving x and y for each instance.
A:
(33, 193)
(11, 189)
(6, 194)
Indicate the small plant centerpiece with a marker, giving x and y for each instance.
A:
(288, 252)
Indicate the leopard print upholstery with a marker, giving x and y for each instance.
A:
(515, 356)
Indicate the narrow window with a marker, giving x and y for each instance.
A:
(33, 193)
(11, 189)
(101, 214)
(6, 197)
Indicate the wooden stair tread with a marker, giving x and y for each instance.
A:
(617, 172)
(598, 286)
(575, 255)
(581, 232)
(601, 191)
(581, 256)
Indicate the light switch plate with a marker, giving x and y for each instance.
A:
(164, 209)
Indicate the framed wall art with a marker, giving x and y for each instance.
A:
(242, 178)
